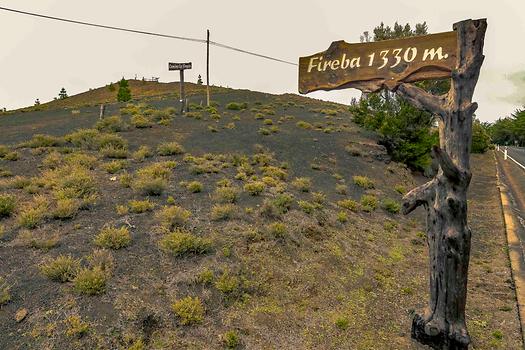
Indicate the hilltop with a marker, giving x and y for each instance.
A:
(263, 221)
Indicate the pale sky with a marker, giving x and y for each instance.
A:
(38, 56)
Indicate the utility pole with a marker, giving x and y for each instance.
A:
(208, 67)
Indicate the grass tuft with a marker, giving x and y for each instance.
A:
(189, 310)
(113, 238)
(182, 242)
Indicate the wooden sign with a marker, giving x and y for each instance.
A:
(372, 66)
(179, 66)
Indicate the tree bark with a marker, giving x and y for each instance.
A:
(442, 325)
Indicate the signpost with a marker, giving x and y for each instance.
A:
(394, 64)
(180, 67)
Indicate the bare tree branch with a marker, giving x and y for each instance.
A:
(451, 171)
(418, 196)
(422, 99)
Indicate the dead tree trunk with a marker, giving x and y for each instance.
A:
(442, 325)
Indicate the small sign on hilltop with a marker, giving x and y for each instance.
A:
(179, 66)
(371, 66)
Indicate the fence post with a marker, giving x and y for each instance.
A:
(505, 153)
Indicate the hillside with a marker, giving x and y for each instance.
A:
(264, 222)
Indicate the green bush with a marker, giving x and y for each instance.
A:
(222, 211)
(227, 283)
(169, 148)
(349, 204)
(480, 138)
(90, 281)
(195, 186)
(141, 122)
(368, 203)
(231, 339)
(364, 182)
(190, 310)
(62, 269)
(277, 229)
(254, 188)
(182, 242)
(302, 184)
(41, 140)
(113, 238)
(172, 216)
(137, 207)
(226, 194)
(111, 124)
(390, 205)
(5, 292)
(7, 205)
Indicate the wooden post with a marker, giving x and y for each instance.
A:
(182, 97)
(208, 67)
(442, 325)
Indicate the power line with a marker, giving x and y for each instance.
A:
(202, 41)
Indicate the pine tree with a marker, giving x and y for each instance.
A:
(62, 94)
(124, 93)
(199, 80)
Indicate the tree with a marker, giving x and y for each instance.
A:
(480, 137)
(407, 132)
(62, 95)
(124, 93)
(199, 80)
(509, 130)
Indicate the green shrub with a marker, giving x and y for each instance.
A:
(114, 166)
(368, 203)
(142, 153)
(111, 124)
(34, 214)
(206, 276)
(169, 148)
(400, 189)
(222, 211)
(283, 202)
(342, 217)
(138, 207)
(149, 186)
(182, 242)
(254, 188)
(12, 156)
(41, 140)
(172, 216)
(348, 204)
(226, 194)
(111, 151)
(76, 327)
(113, 238)
(141, 122)
(66, 208)
(227, 283)
(124, 93)
(302, 184)
(342, 323)
(5, 292)
(364, 182)
(277, 229)
(304, 125)
(234, 106)
(62, 269)
(306, 206)
(341, 188)
(390, 205)
(231, 339)
(90, 281)
(190, 310)
(194, 186)
(7, 205)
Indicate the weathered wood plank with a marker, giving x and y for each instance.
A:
(375, 65)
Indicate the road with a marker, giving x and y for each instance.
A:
(512, 185)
